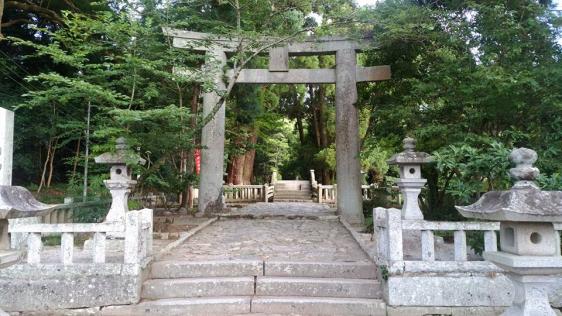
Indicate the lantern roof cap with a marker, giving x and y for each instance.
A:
(18, 202)
(409, 155)
(121, 156)
(525, 201)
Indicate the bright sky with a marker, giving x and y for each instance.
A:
(371, 2)
(367, 2)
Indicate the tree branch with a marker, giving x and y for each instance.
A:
(28, 6)
(239, 68)
(16, 21)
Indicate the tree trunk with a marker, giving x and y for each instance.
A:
(53, 149)
(76, 157)
(322, 116)
(1, 14)
(191, 154)
(87, 152)
(238, 169)
(45, 165)
(300, 128)
(249, 158)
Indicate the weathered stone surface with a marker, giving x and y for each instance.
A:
(452, 311)
(525, 202)
(198, 287)
(6, 146)
(212, 141)
(348, 167)
(529, 239)
(194, 269)
(271, 239)
(16, 202)
(285, 210)
(317, 287)
(186, 306)
(93, 311)
(452, 290)
(355, 270)
(316, 306)
(43, 287)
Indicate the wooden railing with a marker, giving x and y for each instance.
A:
(137, 231)
(247, 193)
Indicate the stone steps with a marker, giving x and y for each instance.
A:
(262, 286)
(317, 287)
(316, 306)
(312, 306)
(292, 193)
(234, 287)
(351, 270)
(293, 200)
(234, 268)
(184, 306)
(198, 287)
(214, 268)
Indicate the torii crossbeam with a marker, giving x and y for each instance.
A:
(345, 76)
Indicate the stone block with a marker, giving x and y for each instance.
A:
(215, 268)
(6, 145)
(198, 287)
(356, 270)
(50, 287)
(465, 289)
(317, 287)
(528, 238)
(318, 306)
(182, 307)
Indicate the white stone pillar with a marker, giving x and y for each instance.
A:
(6, 145)
(120, 191)
(211, 198)
(348, 166)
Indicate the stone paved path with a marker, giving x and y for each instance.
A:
(271, 239)
(303, 209)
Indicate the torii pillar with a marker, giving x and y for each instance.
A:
(211, 199)
(345, 76)
(348, 164)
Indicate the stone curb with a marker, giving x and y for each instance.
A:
(183, 238)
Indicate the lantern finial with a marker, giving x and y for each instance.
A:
(523, 158)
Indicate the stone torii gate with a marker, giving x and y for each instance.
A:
(345, 76)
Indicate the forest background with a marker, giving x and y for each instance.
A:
(470, 81)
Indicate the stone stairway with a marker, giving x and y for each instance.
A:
(292, 191)
(236, 287)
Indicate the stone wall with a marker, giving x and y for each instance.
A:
(26, 287)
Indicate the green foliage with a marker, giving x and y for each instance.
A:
(471, 80)
(470, 170)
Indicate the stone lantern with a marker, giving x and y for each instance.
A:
(120, 183)
(530, 246)
(410, 182)
(16, 202)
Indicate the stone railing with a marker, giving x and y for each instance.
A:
(558, 228)
(328, 193)
(247, 193)
(64, 213)
(137, 232)
(391, 230)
